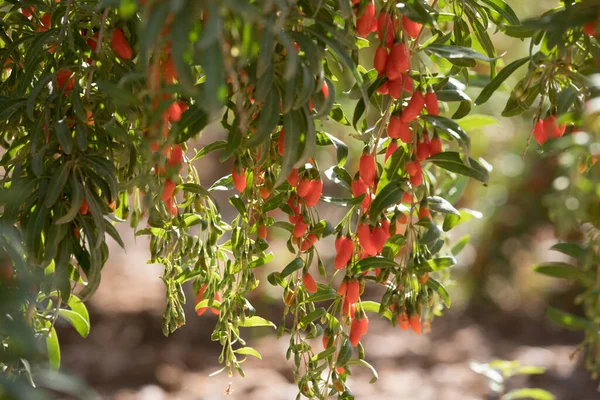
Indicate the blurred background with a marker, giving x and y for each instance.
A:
(497, 308)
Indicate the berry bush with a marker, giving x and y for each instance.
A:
(101, 102)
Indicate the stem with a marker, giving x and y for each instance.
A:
(88, 88)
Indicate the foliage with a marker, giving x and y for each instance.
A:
(100, 103)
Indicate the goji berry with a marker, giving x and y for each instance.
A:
(309, 283)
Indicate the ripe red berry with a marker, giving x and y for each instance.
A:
(174, 112)
(407, 197)
(300, 228)
(168, 190)
(397, 62)
(380, 236)
(348, 309)
(314, 193)
(399, 130)
(391, 148)
(424, 212)
(384, 88)
(424, 148)
(46, 22)
(413, 167)
(366, 240)
(423, 278)
(403, 321)
(366, 22)
(325, 341)
(353, 291)
(368, 169)
(239, 179)
(415, 323)
(325, 90)
(344, 254)
(417, 179)
(589, 28)
(436, 145)
(64, 79)
(385, 26)
(27, 11)
(303, 187)
(343, 288)
(539, 132)
(120, 45)
(293, 178)
(84, 208)
(262, 231)
(381, 55)
(414, 107)
(431, 102)
(411, 27)
(355, 334)
(309, 283)
(175, 156)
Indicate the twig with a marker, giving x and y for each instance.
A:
(98, 48)
(65, 22)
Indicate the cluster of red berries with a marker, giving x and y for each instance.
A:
(591, 28)
(547, 128)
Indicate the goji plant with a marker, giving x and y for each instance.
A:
(100, 103)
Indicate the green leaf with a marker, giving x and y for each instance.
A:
(292, 267)
(251, 322)
(248, 351)
(324, 354)
(77, 321)
(442, 205)
(476, 121)
(192, 122)
(63, 134)
(53, 348)
(392, 169)
(76, 305)
(435, 264)
(267, 47)
(440, 290)
(312, 316)
(448, 126)
(566, 271)
(391, 194)
(293, 125)
(568, 320)
(345, 353)
(269, 116)
(363, 363)
(324, 293)
(451, 161)
(341, 149)
(374, 307)
(451, 52)
(502, 8)
(31, 100)
(76, 201)
(57, 184)
(218, 145)
(506, 72)
(528, 393)
(460, 244)
(574, 250)
(343, 201)
(339, 176)
(371, 263)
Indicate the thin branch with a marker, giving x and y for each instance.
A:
(88, 88)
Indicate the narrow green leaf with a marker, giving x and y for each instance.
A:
(53, 348)
(566, 271)
(81, 325)
(391, 194)
(504, 74)
(57, 184)
(440, 290)
(569, 321)
(451, 161)
(292, 267)
(435, 264)
(248, 351)
(370, 263)
(255, 321)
